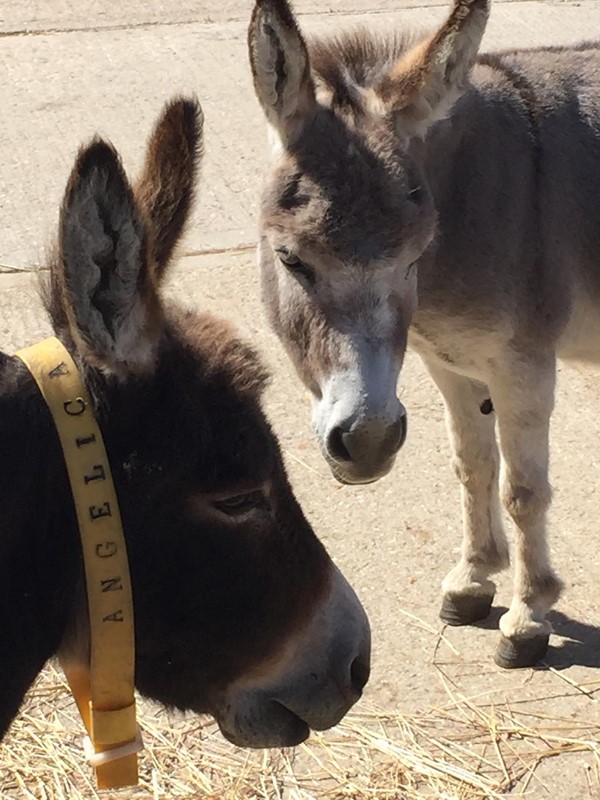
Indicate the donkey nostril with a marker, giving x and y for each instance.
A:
(359, 673)
(403, 430)
(395, 436)
(336, 447)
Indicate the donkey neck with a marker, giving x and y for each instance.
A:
(441, 152)
(39, 556)
(471, 155)
(480, 167)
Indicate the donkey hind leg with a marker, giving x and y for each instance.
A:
(523, 398)
(468, 591)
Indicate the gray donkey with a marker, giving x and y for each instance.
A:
(420, 194)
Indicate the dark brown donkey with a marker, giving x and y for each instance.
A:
(239, 610)
(419, 194)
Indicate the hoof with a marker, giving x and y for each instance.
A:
(518, 653)
(465, 609)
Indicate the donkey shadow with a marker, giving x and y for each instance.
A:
(580, 645)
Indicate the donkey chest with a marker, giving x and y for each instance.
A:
(580, 340)
(456, 345)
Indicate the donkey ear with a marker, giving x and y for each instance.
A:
(281, 68)
(165, 189)
(424, 84)
(102, 276)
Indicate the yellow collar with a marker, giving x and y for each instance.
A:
(104, 692)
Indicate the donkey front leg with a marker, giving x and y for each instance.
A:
(523, 396)
(468, 590)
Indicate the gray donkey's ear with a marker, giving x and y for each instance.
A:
(281, 69)
(422, 85)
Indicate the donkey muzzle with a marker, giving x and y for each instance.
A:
(318, 680)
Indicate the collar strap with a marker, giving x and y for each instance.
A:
(104, 690)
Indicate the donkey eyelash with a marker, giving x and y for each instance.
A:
(240, 504)
(293, 264)
(287, 258)
(416, 195)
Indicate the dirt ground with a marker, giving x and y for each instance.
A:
(70, 69)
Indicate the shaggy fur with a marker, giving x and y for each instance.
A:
(238, 609)
(448, 200)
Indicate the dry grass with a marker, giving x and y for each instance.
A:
(457, 752)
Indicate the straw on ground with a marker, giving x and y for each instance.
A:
(463, 750)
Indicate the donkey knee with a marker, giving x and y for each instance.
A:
(471, 472)
(524, 501)
(460, 471)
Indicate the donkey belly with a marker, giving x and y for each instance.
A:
(580, 340)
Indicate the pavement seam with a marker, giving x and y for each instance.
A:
(182, 23)
(8, 269)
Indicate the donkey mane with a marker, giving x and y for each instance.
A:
(580, 47)
(224, 355)
(360, 59)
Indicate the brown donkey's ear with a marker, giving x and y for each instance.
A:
(165, 189)
(280, 68)
(102, 280)
(424, 84)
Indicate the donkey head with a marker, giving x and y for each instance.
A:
(239, 610)
(346, 212)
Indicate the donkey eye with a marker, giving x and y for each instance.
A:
(241, 503)
(287, 258)
(293, 264)
(417, 195)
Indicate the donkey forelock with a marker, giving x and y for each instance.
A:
(348, 68)
(344, 190)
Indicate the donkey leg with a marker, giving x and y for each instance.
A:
(523, 399)
(467, 589)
